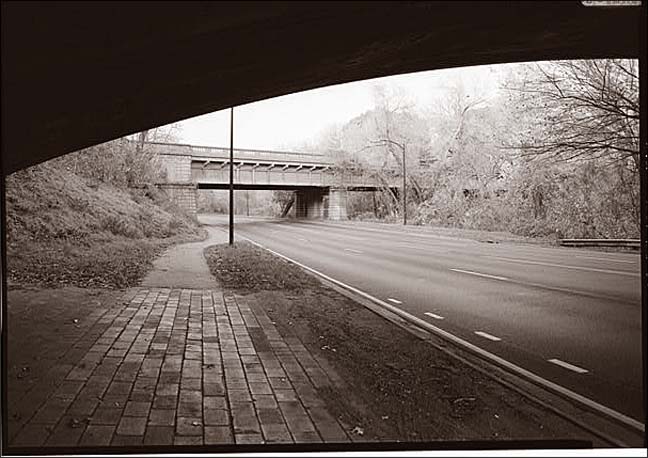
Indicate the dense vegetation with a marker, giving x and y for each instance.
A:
(90, 218)
(553, 152)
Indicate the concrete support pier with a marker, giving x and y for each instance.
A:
(337, 204)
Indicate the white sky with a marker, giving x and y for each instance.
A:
(284, 122)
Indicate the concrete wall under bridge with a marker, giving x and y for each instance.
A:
(321, 203)
(320, 187)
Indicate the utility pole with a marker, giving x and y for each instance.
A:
(404, 190)
(231, 181)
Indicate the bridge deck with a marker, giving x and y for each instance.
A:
(215, 153)
(263, 169)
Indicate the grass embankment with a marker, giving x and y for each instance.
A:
(396, 386)
(64, 229)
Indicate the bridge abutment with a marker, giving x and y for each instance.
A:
(179, 186)
(182, 194)
(177, 168)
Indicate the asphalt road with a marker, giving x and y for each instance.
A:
(572, 316)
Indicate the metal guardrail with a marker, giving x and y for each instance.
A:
(613, 243)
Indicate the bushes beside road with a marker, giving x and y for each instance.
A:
(65, 226)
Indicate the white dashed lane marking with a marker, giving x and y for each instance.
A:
(395, 301)
(562, 266)
(469, 272)
(488, 336)
(571, 367)
(351, 250)
(609, 259)
(434, 315)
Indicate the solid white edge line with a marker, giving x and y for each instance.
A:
(434, 315)
(478, 274)
(457, 340)
(353, 251)
(571, 367)
(488, 336)
(395, 301)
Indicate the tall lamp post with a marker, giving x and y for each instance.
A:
(231, 180)
(404, 189)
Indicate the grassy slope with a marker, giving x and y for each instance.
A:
(66, 229)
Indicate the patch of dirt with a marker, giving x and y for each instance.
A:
(245, 266)
(396, 386)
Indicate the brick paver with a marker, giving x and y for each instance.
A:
(184, 367)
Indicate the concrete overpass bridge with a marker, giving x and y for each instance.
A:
(320, 186)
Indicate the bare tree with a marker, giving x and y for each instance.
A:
(455, 110)
(583, 109)
(164, 134)
(580, 120)
(397, 133)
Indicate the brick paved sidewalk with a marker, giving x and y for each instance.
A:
(185, 367)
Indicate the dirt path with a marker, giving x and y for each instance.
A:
(184, 266)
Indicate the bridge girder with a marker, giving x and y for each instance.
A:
(284, 187)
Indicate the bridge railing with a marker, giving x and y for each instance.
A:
(248, 154)
(223, 153)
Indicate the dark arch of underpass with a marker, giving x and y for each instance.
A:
(81, 73)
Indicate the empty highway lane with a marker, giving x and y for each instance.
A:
(571, 316)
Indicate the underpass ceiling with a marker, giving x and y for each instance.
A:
(81, 73)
